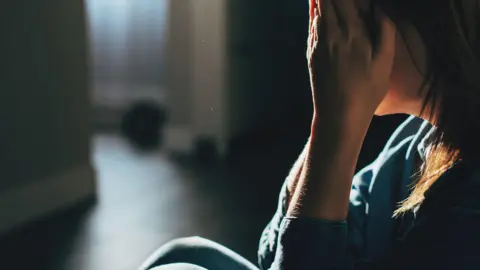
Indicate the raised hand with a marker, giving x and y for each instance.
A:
(348, 81)
(347, 75)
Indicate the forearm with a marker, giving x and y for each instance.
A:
(323, 189)
(294, 175)
(314, 232)
(269, 237)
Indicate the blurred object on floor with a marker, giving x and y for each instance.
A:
(143, 124)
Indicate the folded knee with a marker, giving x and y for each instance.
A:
(184, 242)
(179, 266)
(177, 250)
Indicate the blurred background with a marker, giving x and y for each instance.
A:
(127, 123)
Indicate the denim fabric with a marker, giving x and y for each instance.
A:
(196, 251)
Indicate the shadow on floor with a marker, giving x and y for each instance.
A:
(47, 243)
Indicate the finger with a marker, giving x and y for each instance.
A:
(313, 4)
(312, 37)
(316, 26)
(348, 17)
(311, 26)
(386, 49)
(309, 46)
(318, 4)
(329, 26)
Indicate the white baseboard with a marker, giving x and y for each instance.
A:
(21, 205)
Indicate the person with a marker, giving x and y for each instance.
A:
(417, 206)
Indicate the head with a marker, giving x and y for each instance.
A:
(436, 76)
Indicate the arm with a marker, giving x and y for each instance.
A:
(269, 237)
(356, 217)
(347, 86)
(447, 240)
(315, 229)
(294, 175)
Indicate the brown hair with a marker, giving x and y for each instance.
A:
(450, 30)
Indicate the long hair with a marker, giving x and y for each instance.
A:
(450, 30)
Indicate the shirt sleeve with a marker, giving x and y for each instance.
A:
(445, 235)
(269, 237)
(351, 232)
(448, 241)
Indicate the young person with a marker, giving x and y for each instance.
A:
(418, 205)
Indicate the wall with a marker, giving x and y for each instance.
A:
(128, 60)
(44, 110)
(196, 73)
(210, 71)
(179, 76)
(236, 68)
(268, 79)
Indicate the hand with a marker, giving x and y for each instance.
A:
(348, 80)
(346, 75)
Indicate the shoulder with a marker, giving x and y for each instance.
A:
(399, 146)
(412, 128)
(393, 165)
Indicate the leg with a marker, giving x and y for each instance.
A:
(198, 251)
(179, 266)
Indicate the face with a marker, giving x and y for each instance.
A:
(404, 94)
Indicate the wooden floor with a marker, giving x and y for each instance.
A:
(146, 199)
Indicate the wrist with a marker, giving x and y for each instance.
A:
(340, 124)
(333, 151)
(340, 136)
